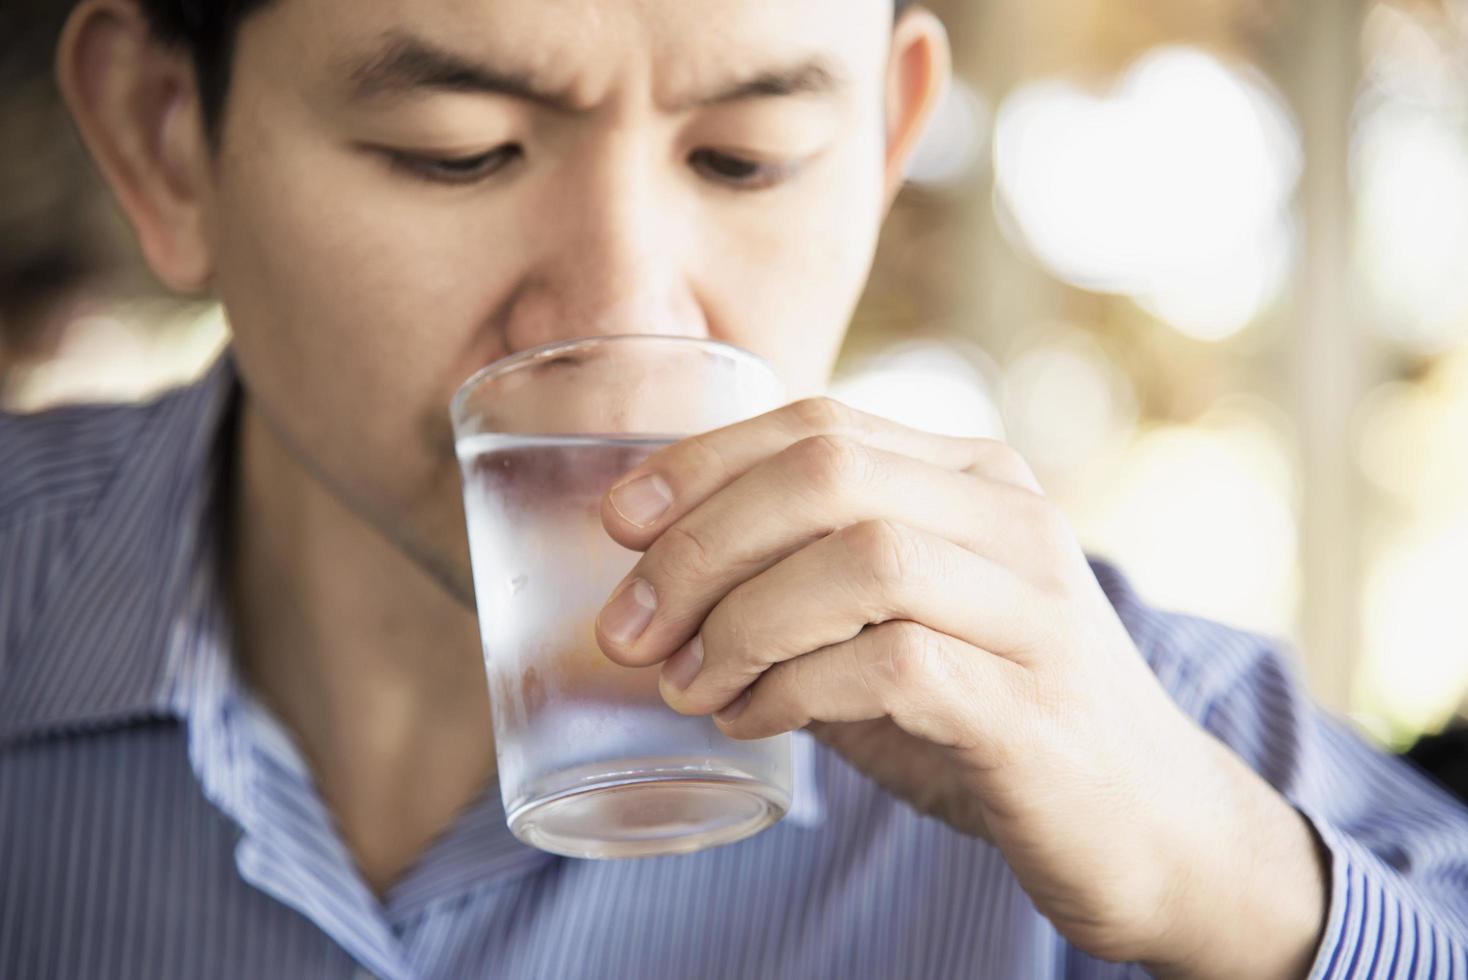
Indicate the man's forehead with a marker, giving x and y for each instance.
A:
(687, 50)
(404, 64)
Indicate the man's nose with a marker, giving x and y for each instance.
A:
(614, 261)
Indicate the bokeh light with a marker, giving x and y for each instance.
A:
(1412, 447)
(1409, 165)
(939, 387)
(1203, 519)
(129, 352)
(1412, 441)
(1416, 660)
(1173, 187)
(1065, 400)
(1215, 299)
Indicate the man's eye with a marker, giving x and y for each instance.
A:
(737, 172)
(456, 170)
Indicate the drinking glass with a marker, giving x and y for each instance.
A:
(592, 762)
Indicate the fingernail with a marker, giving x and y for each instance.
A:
(626, 616)
(683, 666)
(643, 500)
(740, 703)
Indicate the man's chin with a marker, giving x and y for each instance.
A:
(446, 565)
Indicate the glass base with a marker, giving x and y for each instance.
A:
(646, 813)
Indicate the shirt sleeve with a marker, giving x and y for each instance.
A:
(1398, 843)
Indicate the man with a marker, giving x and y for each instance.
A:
(244, 721)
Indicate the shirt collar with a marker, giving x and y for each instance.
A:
(96, 655)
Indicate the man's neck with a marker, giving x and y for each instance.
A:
(372, 666)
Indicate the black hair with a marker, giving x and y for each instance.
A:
(207, 30)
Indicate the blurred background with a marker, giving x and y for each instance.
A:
(1204, 262)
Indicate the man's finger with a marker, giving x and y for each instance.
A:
(675, 480)
(932, 685)
(869, 573)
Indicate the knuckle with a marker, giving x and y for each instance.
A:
(732, 634)
(1053, 544)
(821, 415)
(701, 454)
(779, 691)
(831, 462)
(885, 550)
(685, 554)
(1003, 455)
(911, 654)
(1048, 525)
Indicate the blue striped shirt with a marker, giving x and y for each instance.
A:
(156, 821)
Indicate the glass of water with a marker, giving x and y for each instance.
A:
(592, 762)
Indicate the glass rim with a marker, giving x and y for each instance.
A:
(531, 355)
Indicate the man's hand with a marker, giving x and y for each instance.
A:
(920, 606)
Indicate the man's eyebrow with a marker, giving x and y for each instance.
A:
(403, 63)
(814, 76)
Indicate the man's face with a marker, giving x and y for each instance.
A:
(408, 190)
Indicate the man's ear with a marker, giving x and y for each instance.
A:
(135, 102)
(917, 76)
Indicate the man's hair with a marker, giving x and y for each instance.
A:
(207, 30)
